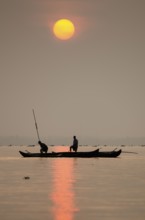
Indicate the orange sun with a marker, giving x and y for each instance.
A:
(63, 29)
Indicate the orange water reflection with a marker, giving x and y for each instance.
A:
(63, 196)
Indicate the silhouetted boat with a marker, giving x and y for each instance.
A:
(95, 153)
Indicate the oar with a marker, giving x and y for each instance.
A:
(27, 151)
(129, 152)
(36, 125)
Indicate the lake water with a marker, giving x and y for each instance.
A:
(72, 188)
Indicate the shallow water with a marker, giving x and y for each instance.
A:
(72, 188)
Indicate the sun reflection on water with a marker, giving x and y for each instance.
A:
(63, 195)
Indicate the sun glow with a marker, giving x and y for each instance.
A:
(63, 29)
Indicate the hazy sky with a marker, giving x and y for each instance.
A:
(90, 86)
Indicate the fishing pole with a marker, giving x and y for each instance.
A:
(36, 125)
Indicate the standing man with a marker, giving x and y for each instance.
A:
(43, 147)
(74, 147)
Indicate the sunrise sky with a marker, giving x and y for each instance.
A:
(91, 85)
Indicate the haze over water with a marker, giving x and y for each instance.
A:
(72, 188)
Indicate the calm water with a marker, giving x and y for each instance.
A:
(72, 188)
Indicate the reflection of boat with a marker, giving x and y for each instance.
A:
(95, 153)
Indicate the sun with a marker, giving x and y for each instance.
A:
(63, 29)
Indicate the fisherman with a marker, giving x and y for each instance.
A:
(43, 147)
(74, 147)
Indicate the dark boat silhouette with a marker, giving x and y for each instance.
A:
(95, 153)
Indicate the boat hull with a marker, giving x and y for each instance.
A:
(95, 153)
(109, 153)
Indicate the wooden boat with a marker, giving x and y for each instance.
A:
(113, 153)
(95, 153)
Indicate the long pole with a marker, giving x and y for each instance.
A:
(36, 125)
